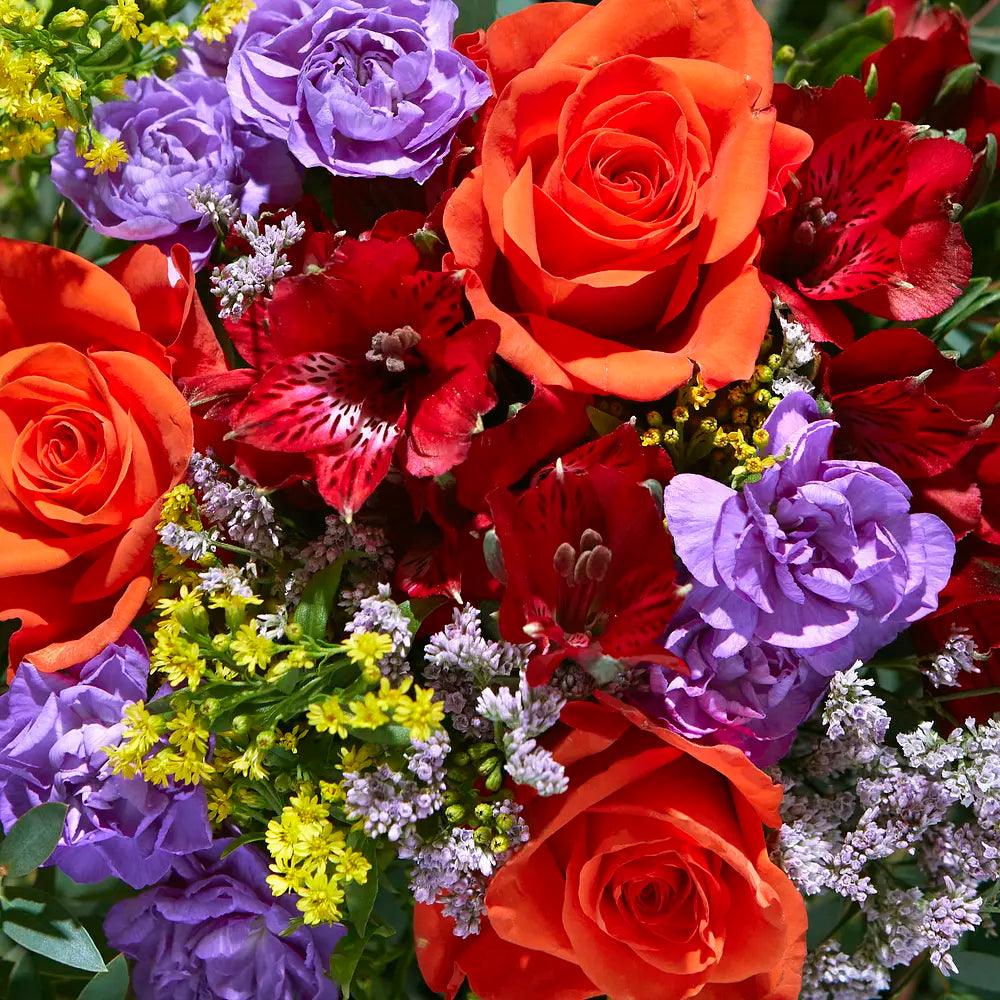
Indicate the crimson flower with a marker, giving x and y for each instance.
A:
(869, 217)
(929, 71)
(900, 402)
(588, 569)
(362, 360)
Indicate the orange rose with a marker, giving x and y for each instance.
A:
(95, 433)
(649, 878)
(611, 229)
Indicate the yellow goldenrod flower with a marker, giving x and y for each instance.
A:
(249, 764)
(367, 648)
(321, 899)
(353, 866)
(124, 17)
(368, 713)
(105, 156)
(251, 650)
(218, 19)
(220, 804)
(421, 715)
(142, 730)
(328, 717)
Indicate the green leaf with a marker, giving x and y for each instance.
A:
(345, 960)
(389, 735)
(110, 985)
(39, 922)
(32, 839)
(233, 845)
(475, 14)
(977, 297)
(24, 983)
(977, 969)
(603, 422)
(361, 898)
(417, 609)
(318, 596)
(842, 52)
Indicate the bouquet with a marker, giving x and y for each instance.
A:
(500, 511)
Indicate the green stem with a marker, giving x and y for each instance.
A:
(956, 695)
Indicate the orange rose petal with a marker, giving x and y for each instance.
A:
(118, 561)
(760, 791)
(168, 309)
(45, 596)
(467, 228)
(517, 346)
(516, 42)
(790, 148)
(51, 295)
(605, 366)
(729, 32)
(731, 313)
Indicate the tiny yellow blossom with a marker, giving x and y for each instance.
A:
(124, 17)
(142, 730)
(421, 715)
(328, 717)
(251, 650)
(321, 897)
(353, 866)
(249, 764)
(367, 648)
(355, 759)
(105, 156)
(188, 732)
(159, 33)
(220, 804)
(367, 714)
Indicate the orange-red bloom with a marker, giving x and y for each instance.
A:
(649, 878)
(611, 227)
(94, 433)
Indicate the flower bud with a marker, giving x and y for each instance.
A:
(69, 20)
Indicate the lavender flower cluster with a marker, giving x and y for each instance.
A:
(379, 613)
(239, 510)
(239, 283)
(857, 807)
(460, 663)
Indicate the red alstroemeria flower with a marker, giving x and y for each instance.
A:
(588, 568)
(912, 71)
(900, 402)
(869, 219)
(367, 359)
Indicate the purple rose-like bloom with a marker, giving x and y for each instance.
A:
(53, 728)
(179, 134)
(213, 931)
(365, 89)
(754, 699)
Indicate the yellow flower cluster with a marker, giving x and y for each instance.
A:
(220, 17)
(418, 712)
(29, 112)
(311, 858)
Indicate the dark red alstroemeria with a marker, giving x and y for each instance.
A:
(869, 218)
(970, 603)
(364, 359)
(588, 569)
(914, 71)
(443, 550)
(900, 402)
(916, 18)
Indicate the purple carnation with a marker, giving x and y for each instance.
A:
(371, 89)
(53, 728)
(754, 699)
(179, 134)
(820, 556)
(214, 930)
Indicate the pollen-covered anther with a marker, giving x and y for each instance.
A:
(392, 347)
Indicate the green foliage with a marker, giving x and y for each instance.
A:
(39, 922)
(32, 839)
(109, 985)
(822, 62)
(313, 611)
